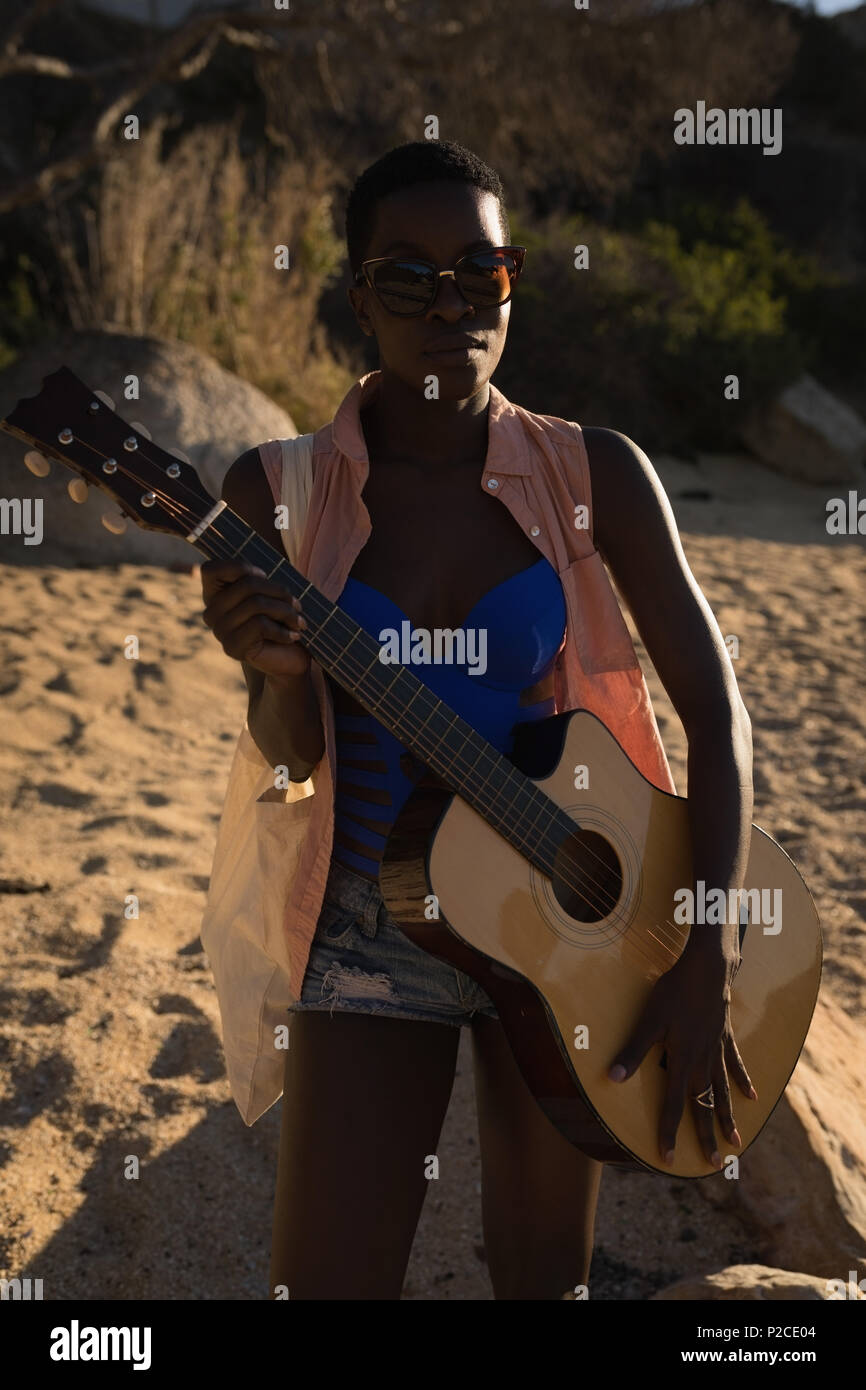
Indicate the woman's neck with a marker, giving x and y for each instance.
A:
(400, 426)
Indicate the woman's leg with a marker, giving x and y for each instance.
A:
(539, 1193)
(363, 1106)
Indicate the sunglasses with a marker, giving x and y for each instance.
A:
(405, 285)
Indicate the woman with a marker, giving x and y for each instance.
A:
(375, 1024)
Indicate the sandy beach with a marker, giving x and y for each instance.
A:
(113, 771)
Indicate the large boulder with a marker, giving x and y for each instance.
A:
(802, 1184)
(757, 1282)
(187, 401)
(808, 433)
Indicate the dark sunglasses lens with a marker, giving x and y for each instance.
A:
(404, 286)
(487, 278)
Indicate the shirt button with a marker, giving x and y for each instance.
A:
(534, 530)
(493, 484)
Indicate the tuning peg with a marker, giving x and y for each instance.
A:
(37, 463)
(114, 522)
(179, 454)
(77, 489)
(105, 398)
(140, 428)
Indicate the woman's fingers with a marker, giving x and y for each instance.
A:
(724, 1105)
(226, 583)
(278, 610)
(254, 618)
(646, 1032)
(270, 648)
(703, 1116)
(672, 1109)
(237, 593)
(737, 1069)
(216, 574)
(248, 639)
(250, 586)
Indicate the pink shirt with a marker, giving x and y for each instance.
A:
(536, 465)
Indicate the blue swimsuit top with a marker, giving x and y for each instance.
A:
(524, 618)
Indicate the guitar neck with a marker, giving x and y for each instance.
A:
(434, 733)
(72, 424)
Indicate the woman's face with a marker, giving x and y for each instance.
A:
(439, 222)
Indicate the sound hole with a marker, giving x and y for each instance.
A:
(587, 876)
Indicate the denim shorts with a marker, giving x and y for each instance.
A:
(361, 963)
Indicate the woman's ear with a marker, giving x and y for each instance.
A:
(357, 299)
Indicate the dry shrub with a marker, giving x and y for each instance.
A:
(180, 243)
(565, 104)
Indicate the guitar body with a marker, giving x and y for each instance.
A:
(550, 974)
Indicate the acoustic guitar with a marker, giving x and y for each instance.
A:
(558, 900)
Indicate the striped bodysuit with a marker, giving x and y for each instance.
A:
(524, 618)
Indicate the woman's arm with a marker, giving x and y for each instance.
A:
(257, 622)
(635, 531)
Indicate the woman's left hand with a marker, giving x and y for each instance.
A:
(688, 1012)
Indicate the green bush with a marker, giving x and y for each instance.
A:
(19, 313)
(644, 339)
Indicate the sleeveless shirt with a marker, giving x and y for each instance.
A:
(537, 466)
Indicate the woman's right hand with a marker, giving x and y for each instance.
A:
(254, 618)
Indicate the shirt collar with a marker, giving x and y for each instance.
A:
(507, 444)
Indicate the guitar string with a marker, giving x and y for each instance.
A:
(173, 507)
(601, 908)
(675, 935)
(179, 509)
(167, 499)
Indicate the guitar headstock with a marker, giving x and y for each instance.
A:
(69, 422)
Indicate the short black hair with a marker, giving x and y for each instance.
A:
(418, 161)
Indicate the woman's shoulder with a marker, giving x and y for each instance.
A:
(248, 490)
(628, 495)
(616, 462)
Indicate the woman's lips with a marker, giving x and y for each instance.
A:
(462, 353)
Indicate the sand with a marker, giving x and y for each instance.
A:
(112, 775)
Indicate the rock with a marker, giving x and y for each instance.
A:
(754, 1282)
(852, 24)
(802, 1183)
(809, 434)
(187, 401)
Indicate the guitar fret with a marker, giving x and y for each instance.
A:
(244, 542)
(344, 652)
(530, 830)
(465, 741)
(536, 796)
(427, 720)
